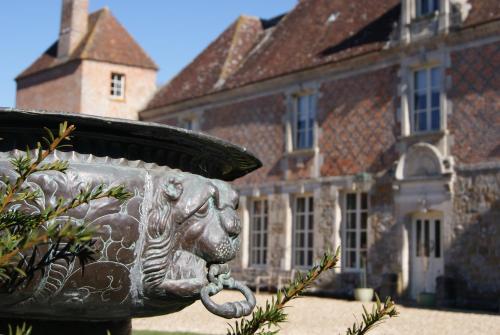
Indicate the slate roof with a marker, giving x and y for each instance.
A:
(209, 71)
(107, 40)
(314, 33)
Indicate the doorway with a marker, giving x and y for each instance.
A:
(427, 252)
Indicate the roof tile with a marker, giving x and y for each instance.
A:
(314, 33)
(106, 40)
(209, 71)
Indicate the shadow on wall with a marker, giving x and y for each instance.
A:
(472, 266)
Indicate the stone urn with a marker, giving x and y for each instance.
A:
(159, 251)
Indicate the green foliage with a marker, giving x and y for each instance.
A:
(379, 313)
(20, 330)
(31, 241)
(266, 320)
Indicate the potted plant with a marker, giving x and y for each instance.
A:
(363, 293)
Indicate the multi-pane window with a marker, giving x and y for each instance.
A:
(303, 245)
(305, 106)
(428, 238)
(355, 230)
(258, 232)
(425, 7)
(187, 124)
(426, 99)
(117, 85)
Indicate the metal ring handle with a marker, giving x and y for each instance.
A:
(228, 310)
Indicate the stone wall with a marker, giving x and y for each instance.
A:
(84, 87)
(385, 239)
(327, 236)
(277, 229)
(140, 85)
(472, 259)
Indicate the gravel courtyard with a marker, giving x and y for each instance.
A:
(311, 316)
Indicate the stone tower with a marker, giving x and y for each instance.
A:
(95, 67)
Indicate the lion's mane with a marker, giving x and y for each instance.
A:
(159, 242)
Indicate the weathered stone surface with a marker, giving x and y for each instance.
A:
(473, 256)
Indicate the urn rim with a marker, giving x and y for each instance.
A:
(150, 142)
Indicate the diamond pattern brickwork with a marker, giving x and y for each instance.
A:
(475, 96)
(256, 124)
(357, 116)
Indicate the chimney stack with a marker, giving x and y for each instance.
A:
(74, 20)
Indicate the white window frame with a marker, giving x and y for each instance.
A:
(431, 3)
(259, 254)
(357, 230)
(416, 25)
(117, 85)
(308, 246)
(310, 122)
(187, 123)
(429, 90)
(192, 117)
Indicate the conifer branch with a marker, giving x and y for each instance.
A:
(26, 165)
(378, 314)
(20, 330)
(266, 320)
(22, 233)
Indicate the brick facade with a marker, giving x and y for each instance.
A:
(59, 89)
(84, 86)
(357, 117)
(256, 124)
(475, 120)
(365, 143)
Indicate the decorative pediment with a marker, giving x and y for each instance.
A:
(422, 160)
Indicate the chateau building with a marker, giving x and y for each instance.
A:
(95, 67)
(379, 128)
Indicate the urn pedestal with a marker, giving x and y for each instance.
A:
(159, 251)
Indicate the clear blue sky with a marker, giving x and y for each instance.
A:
(173, 32)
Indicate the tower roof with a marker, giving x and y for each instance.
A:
(106, 41)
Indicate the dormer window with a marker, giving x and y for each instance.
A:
(426, 7)
(117, 86)
(423, 19)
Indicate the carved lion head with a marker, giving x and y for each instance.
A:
(192, 224)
